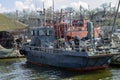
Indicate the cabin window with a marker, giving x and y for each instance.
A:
(32, 32)
(80, 23)
(35, 33)
(38, 33)
(50, 32)
(41, 32)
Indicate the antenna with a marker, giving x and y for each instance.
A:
(43, 5)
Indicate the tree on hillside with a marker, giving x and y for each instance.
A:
(91, 14)
(83, 12)
(105, 8)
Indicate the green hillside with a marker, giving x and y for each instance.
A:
(9, 24)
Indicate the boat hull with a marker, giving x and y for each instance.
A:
(68, 59)
(115, 61)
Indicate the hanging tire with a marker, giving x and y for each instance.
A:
(6, 39)
(22, 52)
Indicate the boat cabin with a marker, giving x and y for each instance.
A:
(42, 36)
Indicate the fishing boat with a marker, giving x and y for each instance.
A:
(74, 54)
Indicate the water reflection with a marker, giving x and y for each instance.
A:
(57, 73)
(19, 69)
(12, 69)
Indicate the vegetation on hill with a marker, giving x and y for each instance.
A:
(118, 22)
(7, 24)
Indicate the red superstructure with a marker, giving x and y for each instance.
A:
(78, 28)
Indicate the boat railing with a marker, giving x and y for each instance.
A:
(77, 30)
(46, 49)
(59, 51)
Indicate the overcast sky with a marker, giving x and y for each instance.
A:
(12, 5)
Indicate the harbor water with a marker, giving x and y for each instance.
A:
(19, 69)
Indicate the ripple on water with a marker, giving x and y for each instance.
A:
(14, 71)
(18, 69)
(115, 73)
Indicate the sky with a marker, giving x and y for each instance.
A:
(13, 5)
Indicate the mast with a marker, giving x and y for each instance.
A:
(110, 14)
(60, 23)
(80, 8)
(115, 16)
(53, 12)
(44, 16)
(44, 12)
(61, 15)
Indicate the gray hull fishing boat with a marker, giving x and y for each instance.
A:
(76, 54)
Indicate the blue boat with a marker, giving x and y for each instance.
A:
(75, 54)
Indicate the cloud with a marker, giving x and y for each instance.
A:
(27, 4)
(19, 5)
(76, 5)
(3, 9)
(38, 4)
(47, 3)
(65, 3)
(33, 4)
